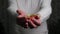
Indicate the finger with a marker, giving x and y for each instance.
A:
(22, 22)
(36, 17)
(32, 24)
(20, 16)
(36, 21)
(26, 25)
(19, 12)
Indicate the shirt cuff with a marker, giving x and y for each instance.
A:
(43, 17)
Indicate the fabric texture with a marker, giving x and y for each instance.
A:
(30, 7)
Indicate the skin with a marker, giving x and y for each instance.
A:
(31, 22)
(44, 13)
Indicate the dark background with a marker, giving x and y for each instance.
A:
(53, 21)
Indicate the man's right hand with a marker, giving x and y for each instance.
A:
(21, 19)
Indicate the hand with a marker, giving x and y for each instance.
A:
(34, 21)
(21, 19)
(25, 21)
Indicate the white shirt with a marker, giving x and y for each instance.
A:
(31, 7)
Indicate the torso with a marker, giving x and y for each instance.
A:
(30, 7)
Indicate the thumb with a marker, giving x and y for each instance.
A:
(19, 12)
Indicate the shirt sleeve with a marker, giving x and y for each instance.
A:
(45, 11)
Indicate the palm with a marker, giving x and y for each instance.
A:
(21, 20)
